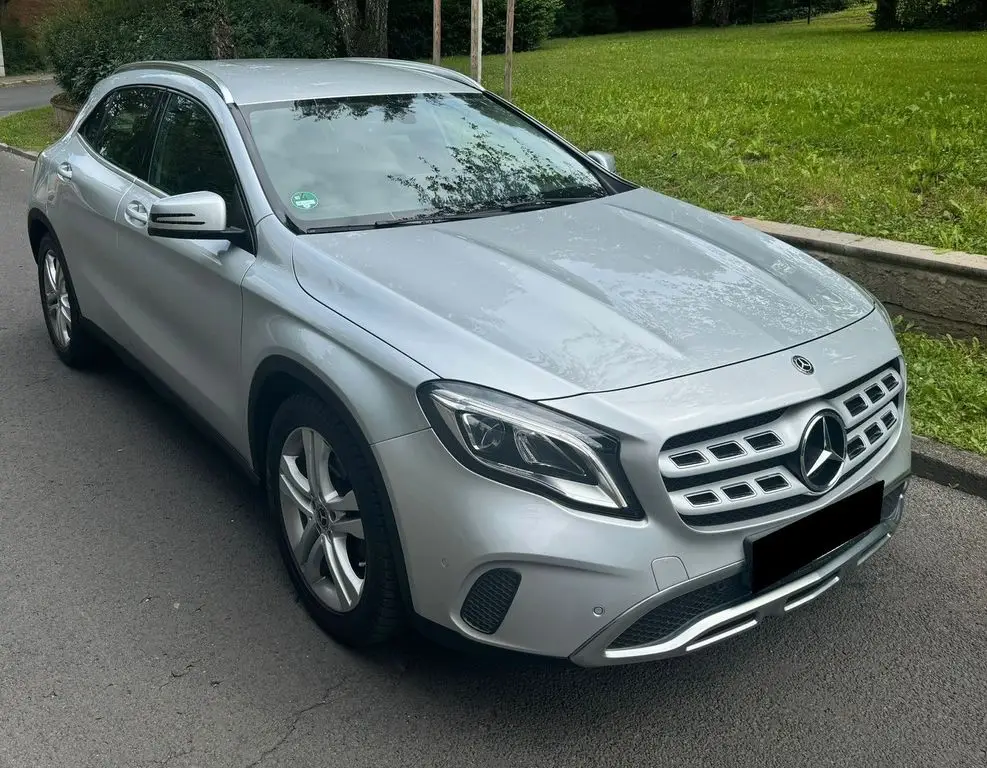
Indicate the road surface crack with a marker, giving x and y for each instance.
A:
(293, 725)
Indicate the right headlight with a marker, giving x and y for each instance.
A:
(529, 446)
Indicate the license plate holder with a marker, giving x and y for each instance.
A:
(774, 555)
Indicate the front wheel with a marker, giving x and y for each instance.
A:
(329, 515)
(71, 342)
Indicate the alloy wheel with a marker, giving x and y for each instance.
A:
(58, 305)
(322, 520)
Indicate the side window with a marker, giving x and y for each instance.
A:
(125, 138)
(190, 156)
(90, 128)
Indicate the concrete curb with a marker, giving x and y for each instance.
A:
(879, 249)
(949, 466)
(16, 80)
(19, 152)
(941, 291)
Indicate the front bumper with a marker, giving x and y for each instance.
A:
(512, 569)
(737, 615)
(583, 579)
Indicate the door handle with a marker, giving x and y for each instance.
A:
(136, 213)
(64, 171)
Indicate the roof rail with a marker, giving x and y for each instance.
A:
(417, 66)
(182, 68)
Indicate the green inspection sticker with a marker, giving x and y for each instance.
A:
(306, 201)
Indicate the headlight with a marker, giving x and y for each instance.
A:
(529, 446)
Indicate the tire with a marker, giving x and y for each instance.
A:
(346, 497)
(75, 347)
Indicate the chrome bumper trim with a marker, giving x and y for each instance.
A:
(736, 619)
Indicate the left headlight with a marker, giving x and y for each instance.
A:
(526, 445)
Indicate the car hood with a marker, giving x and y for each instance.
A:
(611, 293)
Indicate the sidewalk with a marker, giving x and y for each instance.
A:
(6, 82)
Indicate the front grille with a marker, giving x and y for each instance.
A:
(489, 599)
(748, 469)
(680, 612)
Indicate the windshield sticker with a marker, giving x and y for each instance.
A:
(305, 201)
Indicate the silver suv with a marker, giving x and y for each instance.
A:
(487, 384)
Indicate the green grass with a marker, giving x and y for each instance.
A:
(828, 125)
(34, 129)
(947, 389)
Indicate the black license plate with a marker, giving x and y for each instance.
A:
(776, 554)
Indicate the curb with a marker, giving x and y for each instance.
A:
(949, 466)
(28, 155)
(13, 82)
(894, 252)
(941, 291)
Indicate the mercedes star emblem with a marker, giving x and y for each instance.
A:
(823, 451)
(803, 364)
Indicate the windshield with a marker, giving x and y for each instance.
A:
(368, 160)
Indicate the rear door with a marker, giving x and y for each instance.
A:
(183, 299)
(92, 172)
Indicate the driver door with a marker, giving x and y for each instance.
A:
(184, 312)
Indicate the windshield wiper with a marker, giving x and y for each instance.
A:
(440, 215)
(435, 217)
(543, 202)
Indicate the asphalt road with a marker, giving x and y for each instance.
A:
(145, 620)
(14, 98)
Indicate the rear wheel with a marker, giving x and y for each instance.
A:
(73, 345)
(327, 509)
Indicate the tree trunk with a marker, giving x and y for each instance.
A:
(509, 52)
(363, 26)
(222, 32)
(715, 12)
(886, 14)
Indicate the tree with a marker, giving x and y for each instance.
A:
(363, 24)
(886, 14)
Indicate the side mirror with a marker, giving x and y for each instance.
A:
(192, 216)
(603, 159)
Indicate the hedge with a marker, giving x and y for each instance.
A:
(86, 45)
(21, 52)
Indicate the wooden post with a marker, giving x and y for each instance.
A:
(437, 32)
(509, 52)
(476, 40)
(810, 13)
(2, 70)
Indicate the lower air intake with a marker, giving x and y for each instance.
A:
(489, 599)
(670, 617)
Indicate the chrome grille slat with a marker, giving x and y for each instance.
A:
(740, 488)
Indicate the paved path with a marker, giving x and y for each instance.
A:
(15, 98)
(145, 620)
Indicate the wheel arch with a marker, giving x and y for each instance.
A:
(278, 378)
(39, 225)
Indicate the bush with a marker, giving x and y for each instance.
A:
(21, 52)
(86, 45)
(963, 14)
(410, 22)
(280, 28)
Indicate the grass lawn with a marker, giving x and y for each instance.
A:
(827, 125)
(33, 129)
(947, 389)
